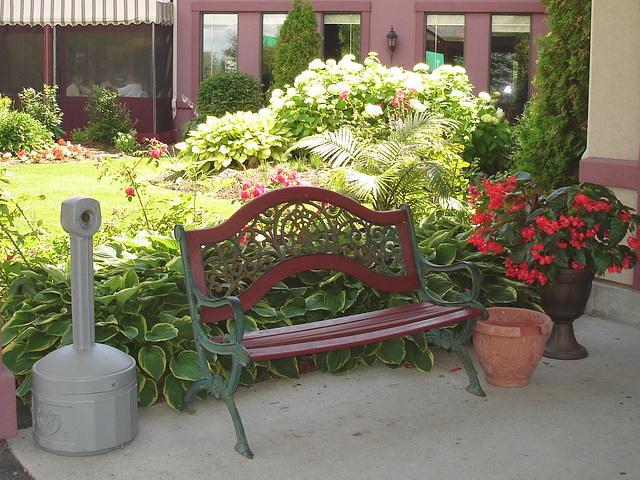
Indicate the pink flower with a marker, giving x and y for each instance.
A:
(130, 192)
(155, 152)
(343, 95)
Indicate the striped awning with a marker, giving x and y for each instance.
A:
(85, 12)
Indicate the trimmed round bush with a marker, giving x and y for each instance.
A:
(229, 92)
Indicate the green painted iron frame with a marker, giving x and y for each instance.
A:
(230, 267)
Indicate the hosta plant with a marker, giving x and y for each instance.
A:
(442, 239)
(139, 308)
(234, 139)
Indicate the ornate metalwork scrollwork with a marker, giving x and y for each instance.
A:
(297, 229)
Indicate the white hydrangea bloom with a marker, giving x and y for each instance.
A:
(421, 67)
(372, 110)
(338, 88)
(349, 65)
(486, 118)
(317, 64)
(500, 114)
(315, 90)
(277, 103)
(484, 96)
(415, 83)
(417, 105)
(277, 93)
(305, 77)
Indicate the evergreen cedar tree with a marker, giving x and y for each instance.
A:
(298, 44)
(553, 131)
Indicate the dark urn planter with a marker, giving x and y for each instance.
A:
(564, 302)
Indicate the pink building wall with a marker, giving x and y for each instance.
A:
(406, 17)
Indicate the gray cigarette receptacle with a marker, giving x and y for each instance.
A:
(84, 395)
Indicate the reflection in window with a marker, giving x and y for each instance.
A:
(271, 23)
(445, 40)
(341, 35)
(219, 43)
(510, 54)
(99, 57)
(21, 59)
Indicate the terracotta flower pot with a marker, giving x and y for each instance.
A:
(509, 344)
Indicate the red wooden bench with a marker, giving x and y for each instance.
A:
(230, 267)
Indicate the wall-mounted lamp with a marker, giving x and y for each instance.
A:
(391, 40)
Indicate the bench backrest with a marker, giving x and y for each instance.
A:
(294, 229)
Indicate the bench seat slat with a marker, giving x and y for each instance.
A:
(351, 331)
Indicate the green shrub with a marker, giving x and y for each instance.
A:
(235, 139)
(229, 92)
(20, 131)
(126, 142)
(107, 117)
(43, 106)
(370, 97)
(553, 132)
(298, 43)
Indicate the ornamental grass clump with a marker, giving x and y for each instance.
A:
(578, 227)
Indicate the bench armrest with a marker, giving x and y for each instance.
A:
(236, 325)
(467, 296)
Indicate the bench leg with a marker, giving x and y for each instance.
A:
(196, 387)
(242, 445)
(222, 389)
(447, 339)
(474, 384)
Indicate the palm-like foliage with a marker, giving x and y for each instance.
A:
(414, 165)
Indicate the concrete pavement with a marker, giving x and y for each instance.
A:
(578, 419)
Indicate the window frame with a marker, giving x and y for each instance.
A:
(202, 39)
(464, 35)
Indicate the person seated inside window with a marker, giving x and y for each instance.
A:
(131, 87)
(77, 88)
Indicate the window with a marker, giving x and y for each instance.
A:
(271, 23)
(96, 56)
(445, 40)
(510, 55)
(341, 35)
(22, 59)
(219, 43)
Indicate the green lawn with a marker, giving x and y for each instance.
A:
(58, 181)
